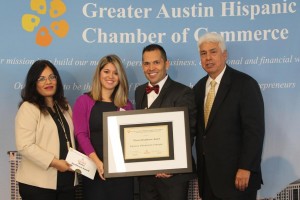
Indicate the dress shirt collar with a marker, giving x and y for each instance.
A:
(217, 79)
(160, 83)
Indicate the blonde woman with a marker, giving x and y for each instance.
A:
(109, 92)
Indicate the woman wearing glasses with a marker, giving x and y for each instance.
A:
(44, 132)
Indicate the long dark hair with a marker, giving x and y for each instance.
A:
(29, 92)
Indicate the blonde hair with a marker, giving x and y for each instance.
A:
(120, 94)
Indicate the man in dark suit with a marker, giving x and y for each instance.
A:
(170, 94)
(229, 146)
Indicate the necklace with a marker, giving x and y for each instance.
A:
(62, 123)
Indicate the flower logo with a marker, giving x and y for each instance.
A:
(31, 22)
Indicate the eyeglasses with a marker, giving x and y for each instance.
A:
(43, 79)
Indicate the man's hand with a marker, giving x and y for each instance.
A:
(163, 175)
(242, 179)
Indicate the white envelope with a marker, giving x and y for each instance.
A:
(81, 163)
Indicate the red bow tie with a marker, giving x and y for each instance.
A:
(155, 88)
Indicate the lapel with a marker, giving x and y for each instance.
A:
(221, 94)
(141, 96)
(200, 101)
(163, 94)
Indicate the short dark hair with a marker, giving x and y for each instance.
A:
(153, 47)
(29, 92)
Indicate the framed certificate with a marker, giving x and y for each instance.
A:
(146, 142)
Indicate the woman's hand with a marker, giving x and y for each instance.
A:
(100, 169)
(99, 164)
(60, 165)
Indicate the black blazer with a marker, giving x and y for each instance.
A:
(173, 94)
(234, 134)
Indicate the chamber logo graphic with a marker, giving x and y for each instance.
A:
(33, 23)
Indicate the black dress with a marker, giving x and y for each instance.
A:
(65, 180)
(111, 188)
